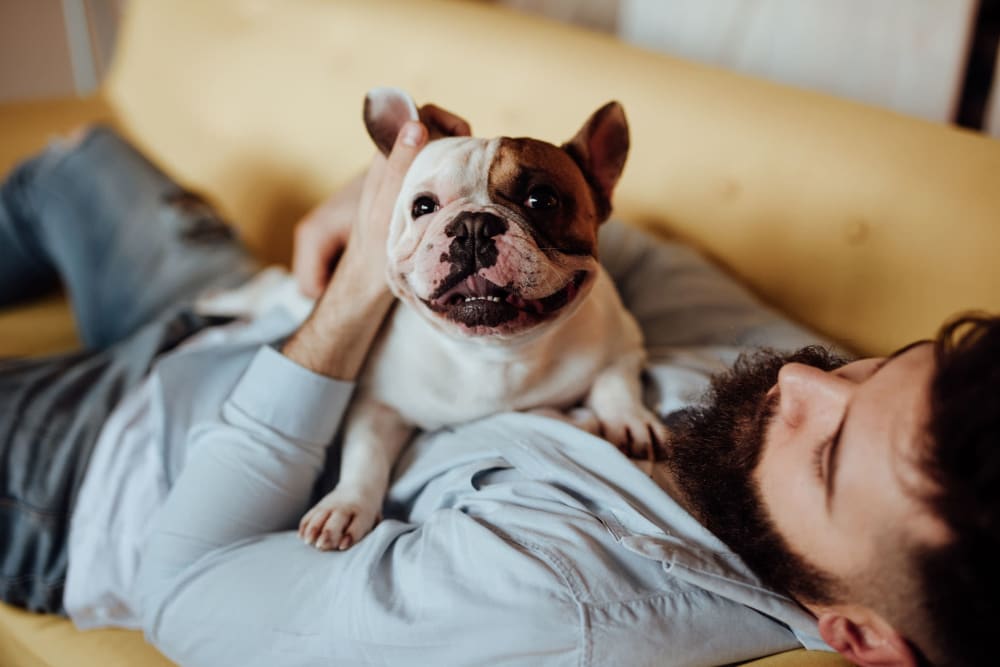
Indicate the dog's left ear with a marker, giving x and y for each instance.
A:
(600, 149)
(386, 111)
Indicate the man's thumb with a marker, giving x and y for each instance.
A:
(412, 135)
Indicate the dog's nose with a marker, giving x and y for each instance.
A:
(476, 226)
(473, 247)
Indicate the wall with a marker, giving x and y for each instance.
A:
(993, 111)
(55, 48)
(907, 55)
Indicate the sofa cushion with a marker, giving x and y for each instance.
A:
(34, 640)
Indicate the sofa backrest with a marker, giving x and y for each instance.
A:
(869, 226)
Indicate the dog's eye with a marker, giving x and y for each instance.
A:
(542, 197)
(423, 206)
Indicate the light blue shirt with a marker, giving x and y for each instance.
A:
(513, 540)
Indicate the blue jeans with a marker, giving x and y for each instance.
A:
(132, 249)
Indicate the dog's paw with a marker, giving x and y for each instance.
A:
(636, 431)
(339, 520)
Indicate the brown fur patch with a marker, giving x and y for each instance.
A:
(521, 164)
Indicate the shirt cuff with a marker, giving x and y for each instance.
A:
(290, 399)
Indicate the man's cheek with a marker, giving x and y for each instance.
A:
(787, 493)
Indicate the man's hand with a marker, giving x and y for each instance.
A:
(335, 339)
(322, 235)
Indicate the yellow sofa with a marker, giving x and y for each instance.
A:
(868, 226)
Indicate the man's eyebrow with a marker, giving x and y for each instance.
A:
(832, 457)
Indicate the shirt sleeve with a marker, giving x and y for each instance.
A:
(248, 472)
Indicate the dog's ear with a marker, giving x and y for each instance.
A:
(386, 110)
(443, 123)
(600, 149)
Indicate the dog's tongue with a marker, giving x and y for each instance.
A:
(478, 286)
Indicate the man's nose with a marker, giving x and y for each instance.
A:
(810, 395)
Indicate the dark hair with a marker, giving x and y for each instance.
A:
(960, 581)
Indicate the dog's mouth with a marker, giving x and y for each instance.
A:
(477, 302)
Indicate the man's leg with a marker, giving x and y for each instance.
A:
(129, 244)
(51, 413)
(25, 271)
(133, 250)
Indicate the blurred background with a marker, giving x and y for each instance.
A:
(934, 59)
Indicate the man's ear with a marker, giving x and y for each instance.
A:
(386, 111)
(864, 637)
(600, 149)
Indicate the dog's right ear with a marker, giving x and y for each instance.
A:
(386, 111)
(443, 123)
(600, 149)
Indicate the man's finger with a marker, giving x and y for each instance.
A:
(304, 262)
(312, 254)
(412, 135)
(410, 140)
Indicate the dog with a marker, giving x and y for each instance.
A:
(502, 303)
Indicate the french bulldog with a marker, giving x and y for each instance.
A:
(502, 303)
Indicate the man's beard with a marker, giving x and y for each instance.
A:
(714, 450)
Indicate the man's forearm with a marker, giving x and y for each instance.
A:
(336, 338)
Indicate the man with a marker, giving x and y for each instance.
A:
(850, 502)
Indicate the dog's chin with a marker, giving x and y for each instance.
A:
(479, 308)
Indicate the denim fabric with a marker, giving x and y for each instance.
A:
(128, 243)
(132, 250)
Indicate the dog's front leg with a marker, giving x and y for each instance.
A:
(374, 435)
(615, 401)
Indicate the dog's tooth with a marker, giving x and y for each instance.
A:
(493, 299)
